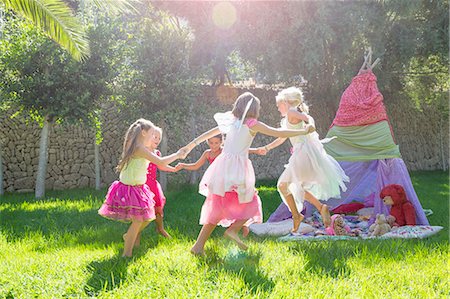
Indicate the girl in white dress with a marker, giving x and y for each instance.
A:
(311, 173)
(229, 182)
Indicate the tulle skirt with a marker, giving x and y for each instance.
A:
(311, 169)
(159, 198)
(225, 210)
(126, 203)
(229, 172)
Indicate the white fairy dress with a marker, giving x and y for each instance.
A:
(311, 169)
(229, 182)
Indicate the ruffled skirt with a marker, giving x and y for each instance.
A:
(225, 210)
(159, 198)
(311, 169)
(126, 203)
(229, 172)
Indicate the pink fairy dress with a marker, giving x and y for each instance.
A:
(229, 182)
(311, 169)
(130, 198)
(155, 187)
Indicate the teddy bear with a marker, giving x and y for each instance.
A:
(380, 227)
(395, 196)
(338, 227)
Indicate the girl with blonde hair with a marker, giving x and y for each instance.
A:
(311, 173)
(129, 199)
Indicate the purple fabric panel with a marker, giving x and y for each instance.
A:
(366, 178)
(362, 177)
(280, 214)
(394, 171)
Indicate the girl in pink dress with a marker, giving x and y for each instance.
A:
(155, 187)
(130, 199)
(229, 182)
(209, 155)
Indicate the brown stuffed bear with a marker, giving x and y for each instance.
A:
(380, 227)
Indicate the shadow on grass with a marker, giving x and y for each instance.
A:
(238, 263)
(106, 275)
(109, 274)
(327, 258)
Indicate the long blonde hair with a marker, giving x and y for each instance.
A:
(241, 103)
(130, 142)
(294, 97)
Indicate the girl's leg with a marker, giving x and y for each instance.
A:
(322, 208)
(297, 218)
(137, 242)
(245, 231)
(205, 232)
(130, 238)
(232, 233)
(160, 226)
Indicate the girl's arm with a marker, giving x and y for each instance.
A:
(194, 166)
(143, 152)
(167, 168)
(205, 136)
(277, 142)
(296, 115)
(278, 132)
(259, 151)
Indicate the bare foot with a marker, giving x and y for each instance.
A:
(233, 236)
(325, 213)
(163, 233)
(197, 252)
(297, 220)
(137, 242)
(245, 231)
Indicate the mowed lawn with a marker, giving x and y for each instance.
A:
(59, 247)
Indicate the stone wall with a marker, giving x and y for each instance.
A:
(423, 138)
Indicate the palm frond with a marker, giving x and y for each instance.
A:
(117, 6)
(57, 20)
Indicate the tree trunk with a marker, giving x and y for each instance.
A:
(1, 172)
(441, 136)
(97, 163)
(163, 174)
(194, 174)
(43, 158)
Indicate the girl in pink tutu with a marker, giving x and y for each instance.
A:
(311, 173)
(130, 199)
(155, 187)
(229, 182)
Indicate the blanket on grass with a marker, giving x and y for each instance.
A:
(312, 229)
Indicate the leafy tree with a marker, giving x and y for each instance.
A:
(57, 19)
(43, 80)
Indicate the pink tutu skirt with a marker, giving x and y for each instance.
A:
(159, 198)
(126, 203)
(225, 210)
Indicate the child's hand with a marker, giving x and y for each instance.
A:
(262, 151)
(179, 167)
(310, 128)
(183, 152)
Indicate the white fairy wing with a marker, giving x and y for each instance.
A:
(225, 121)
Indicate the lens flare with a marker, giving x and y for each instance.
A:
(224, 15)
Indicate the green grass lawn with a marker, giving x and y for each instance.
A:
(59, 247)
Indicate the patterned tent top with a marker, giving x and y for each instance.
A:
(361, 103)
